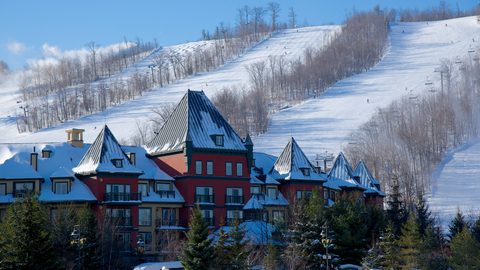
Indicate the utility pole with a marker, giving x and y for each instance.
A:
(151, 68)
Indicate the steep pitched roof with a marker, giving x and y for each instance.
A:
(195, 119)
(100, 156)
(290, 162)
(342, 174)
(367, 180)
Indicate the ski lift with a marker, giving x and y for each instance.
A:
(413, 97)
(471, 50)
(432, 90)
(457, 60)
(428, 82)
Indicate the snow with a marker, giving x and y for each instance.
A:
(456, 184)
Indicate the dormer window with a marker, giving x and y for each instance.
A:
(46, 153)
(117, 163)
(306, 171)
(219, 140)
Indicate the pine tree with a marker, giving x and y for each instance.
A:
(25, 236)
(91, 253)
(198, 251)
(476, 229)
(63, 220)
(390, 248)
(396, 212)
(431, 257)
(423, 214)
(238, 253)
(456, 225)
(410, 243)
(465, 250)
(373, 259)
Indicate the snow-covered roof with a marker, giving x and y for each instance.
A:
(18, 168)
(253, 204)
(62, 172)
(342, 174)
(149, 168)
(256, 232)
(154, 197)
(101, 155)
(290, 163)
(195, 119)
(367, 180)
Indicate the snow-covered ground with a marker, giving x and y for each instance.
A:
(456, 184)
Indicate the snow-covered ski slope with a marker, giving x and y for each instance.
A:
(122, 119)
(322, 124)
(456, 184)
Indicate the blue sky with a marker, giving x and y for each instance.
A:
(26, 26)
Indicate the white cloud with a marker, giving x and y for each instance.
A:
(16, 47)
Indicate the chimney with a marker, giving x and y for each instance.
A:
(131, 156)
(75, 137)
(34, 159)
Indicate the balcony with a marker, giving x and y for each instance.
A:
(180, 223)
(200, 198)
(166, 194)
(122, 198)
(230, 199)
(120, 221)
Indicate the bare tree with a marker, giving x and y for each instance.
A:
(161, 113)
(274, 9)
(258, 13)
(93, 48)
(293, 17)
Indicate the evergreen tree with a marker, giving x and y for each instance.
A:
(456, 225)
(25, 236)
(431, 257)
(270, 261)
(230, 249)
(397, 212)
(198, 252)
(373, 259)
(91, 253)
(465, 250)
(410, 244)
(424, 218)
(476, 229)
(63, 220)
(390, 248)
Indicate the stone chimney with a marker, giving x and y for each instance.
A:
(131, 156)
(75, 137)
(34, 159)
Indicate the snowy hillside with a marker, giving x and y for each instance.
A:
(122, 119)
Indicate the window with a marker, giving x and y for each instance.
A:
(46, 153)
(380, 205)
(272, 193)
(234, 195)
(210, 167)
(278, 215)
(198, 167)
(61, 188)
(332, 195)
(124, 240)
(204, 194)
(144, 216)
(22, 188)
(208, 217)
(117, 192)
(163, 186)
(219, 140)
(306, 171)
(228, 168)
(255, 190)
(304, 193)
(117, 163)
(169, 214)
(360, 201)
(119, 216)
(146, 238)
(232, 215)
(142, 188)
(239, 169)
(3, 189)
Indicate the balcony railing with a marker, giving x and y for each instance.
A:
(235, 199)
(171, 223)
(122, 196)
(166, 193)
(121, 221)
(200, 198)
(210, 221)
